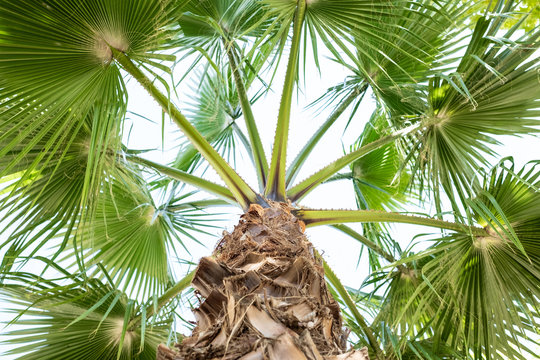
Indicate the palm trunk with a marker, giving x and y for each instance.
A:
(265, 297)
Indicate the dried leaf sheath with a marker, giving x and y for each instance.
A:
(265, 297)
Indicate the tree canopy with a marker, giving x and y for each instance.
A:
(92, 230)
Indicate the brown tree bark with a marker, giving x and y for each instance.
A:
(264, 297)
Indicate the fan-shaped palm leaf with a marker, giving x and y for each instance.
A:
(494, 92)
(213, 113)
(211, 27)
(56, 56)
(398, 74)
(378, 30)
(486, 284)
(132, 237)
(76, 319)
(379, 181)
(404, 282)
(51, 184)
(61, 98)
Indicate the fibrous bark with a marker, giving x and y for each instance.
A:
(264, 297)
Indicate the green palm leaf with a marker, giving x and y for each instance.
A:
(398, 75)
(50, 185)
(62, 99)
(56, 55)
(376, 30)
(485, 285)
(70, 318)
(402, 296)
(213, 112)
(495, 91)
(132, 237)
(210, 27)
(214, 18)
(379, 181)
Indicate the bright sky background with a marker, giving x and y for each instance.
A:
(340, 251)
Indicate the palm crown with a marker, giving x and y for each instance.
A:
(102, 224)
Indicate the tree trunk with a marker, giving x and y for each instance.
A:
(265, 297)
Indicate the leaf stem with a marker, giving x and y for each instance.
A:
(199, 204)
(259, 157)
(239, 188)
(336, 283)
(302, 156)
(303, 188)
(325, 217)
(365, 241)
(187, 178)
(275, 187)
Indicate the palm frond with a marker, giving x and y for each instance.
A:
(70, 318)
(379, 181)
(54, 179)
(132, 237)
(495, 91)
(486, 287)
(213, 111)
(57, 55)
(62, 101)
(427, 35)
(210, 26)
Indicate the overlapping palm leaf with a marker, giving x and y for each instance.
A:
(493, 92)
(133, 238)
(62, 100)
(211, 27)
(213, 112)
(73, 317)
(427, 36)
(379, 182)
(47, 187)
(376, 30)
(56, 67)
(219, 19)
(403, 290)
(486, 285)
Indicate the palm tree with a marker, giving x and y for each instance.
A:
(91, 227)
